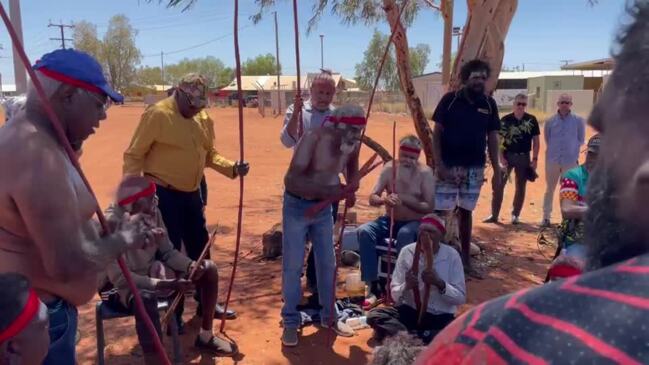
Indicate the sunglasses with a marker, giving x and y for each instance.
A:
(104, 103)
(521, 104)
(565, 102)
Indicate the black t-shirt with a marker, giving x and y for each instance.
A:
(517, 134)
(465, 125)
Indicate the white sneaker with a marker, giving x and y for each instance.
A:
(515, 219)
(341, 329)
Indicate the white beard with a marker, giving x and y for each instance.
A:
(347, 148)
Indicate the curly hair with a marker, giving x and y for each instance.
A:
(400, 349)
(473, 66)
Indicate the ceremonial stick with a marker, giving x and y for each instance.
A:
(415, 271)
(63, 140)
(181, 293)
(298, 94)
(388, 295)
(235, 263)
(428, 251)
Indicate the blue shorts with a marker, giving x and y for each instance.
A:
(463, 194)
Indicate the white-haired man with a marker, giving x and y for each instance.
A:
(564, 134)
(413, 198)
(320, 156)
(46, 229)
(411, 275)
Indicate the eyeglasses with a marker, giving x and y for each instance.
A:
(521, 104)
(105, 104)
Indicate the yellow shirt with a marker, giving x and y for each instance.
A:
(174, 149)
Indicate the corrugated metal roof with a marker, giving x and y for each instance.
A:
(518, 75)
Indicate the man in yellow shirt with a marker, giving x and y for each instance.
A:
(172, 145)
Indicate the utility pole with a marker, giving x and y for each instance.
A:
(279, 94)
(62, 29)
(447, 14)
(20, 75)
(321, 51)
(162, 68)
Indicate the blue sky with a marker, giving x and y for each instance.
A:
(542, 33)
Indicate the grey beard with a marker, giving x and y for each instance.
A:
(609, 239)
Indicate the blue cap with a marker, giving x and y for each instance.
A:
(76, 68)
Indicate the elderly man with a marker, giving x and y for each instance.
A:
(411, 276)
(598, 317)
(519, 134)
(413, 198)
(320, 156)
(46, 229)
(564, 134)
(172, 145)
(136, 195)
(466, 124)
(314, 112)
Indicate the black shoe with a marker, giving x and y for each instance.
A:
(218, 312)
(490, 219)
(217, 346)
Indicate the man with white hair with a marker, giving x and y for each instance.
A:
(564, 134)
(47, 232)
(312, 177)
(411, 275)
(12, 105)
(412, 198)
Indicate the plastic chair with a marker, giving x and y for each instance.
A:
(105, 312)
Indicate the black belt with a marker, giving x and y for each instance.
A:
(301, 198)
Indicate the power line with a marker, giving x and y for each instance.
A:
(62, 29)
(196, 45)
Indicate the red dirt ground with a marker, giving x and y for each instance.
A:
(512, 259)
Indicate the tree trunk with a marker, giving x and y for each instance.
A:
(484, 37)
(376, 147)
(405, 76)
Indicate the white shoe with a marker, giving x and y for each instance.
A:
(341, 329)
(515, 219)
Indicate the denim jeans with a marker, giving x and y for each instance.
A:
(371, 233)
(63, 330)
(320, 230)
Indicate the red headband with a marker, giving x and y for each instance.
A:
(434, 222)
(23, 319)
(347, 120)
(149, 191)
(405, 148)
(71, 81)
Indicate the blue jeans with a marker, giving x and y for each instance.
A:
(371, 233)
(320, 230)
(63, 330)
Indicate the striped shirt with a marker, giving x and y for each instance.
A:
(598, 318)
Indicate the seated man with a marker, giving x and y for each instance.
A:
(413, 198)
(445, 280)
(135, 195)
(23, 322)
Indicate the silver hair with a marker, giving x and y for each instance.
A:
(520, 96)
(348, 110)
(411, 140)
(12, 105)
(400, 349)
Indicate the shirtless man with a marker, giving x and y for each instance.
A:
(47, 232)
(414, 197)
(320, 156)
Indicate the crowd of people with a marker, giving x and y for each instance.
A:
(52, 252)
